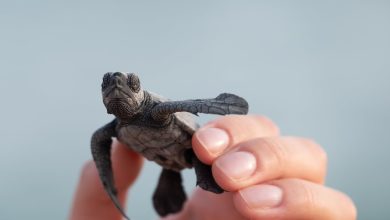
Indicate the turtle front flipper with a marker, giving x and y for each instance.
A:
(101, 152)
(169, 196)
(204, 176)
(223, 104)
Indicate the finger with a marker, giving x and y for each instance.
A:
(218, 136)
(293, 199)
(265, 159)
(206, 205)
(91, 201)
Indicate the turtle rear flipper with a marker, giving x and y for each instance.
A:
(223, 104)
(101, 152)
(169, 196)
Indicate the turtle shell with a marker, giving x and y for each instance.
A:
(166, 145)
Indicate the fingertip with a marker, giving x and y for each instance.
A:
(258, 200)
(90, 176)
(351, 206)
(209, 142)
(233, 170)
(219, 135)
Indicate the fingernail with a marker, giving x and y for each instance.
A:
(262, 196)
(237, 165)
(215, 140)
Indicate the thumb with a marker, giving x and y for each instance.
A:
(90, 200)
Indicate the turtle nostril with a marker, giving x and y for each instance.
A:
(116, 81)
(117, 78)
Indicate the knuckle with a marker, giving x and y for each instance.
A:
(267, 123)
(323, 156)
(351, 211)
(225, 120)
(321, 153)
(240, 119)
(354, 213)
(276, 152)
(309, 196)
(312, 198)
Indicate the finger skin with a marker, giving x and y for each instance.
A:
(90, 200)
(274, 158)
(300, 200)
(239, 128)
(204, 205)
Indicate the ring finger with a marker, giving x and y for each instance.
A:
(293, 199)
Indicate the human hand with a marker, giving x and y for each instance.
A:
(268, 176)
(280, 177)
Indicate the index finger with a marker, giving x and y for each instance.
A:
(219, 135)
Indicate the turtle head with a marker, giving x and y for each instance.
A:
(122, 94)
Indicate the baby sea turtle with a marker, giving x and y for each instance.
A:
(160, 130)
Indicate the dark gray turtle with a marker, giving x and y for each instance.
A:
(159, 129)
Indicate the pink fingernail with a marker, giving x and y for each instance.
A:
(237, 165)
(262, 196)
(214, 140)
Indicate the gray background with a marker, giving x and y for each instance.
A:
(320, 69)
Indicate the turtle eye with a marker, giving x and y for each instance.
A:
(133, 82)
(106, 80)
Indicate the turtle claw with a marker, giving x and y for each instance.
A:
(210, 185)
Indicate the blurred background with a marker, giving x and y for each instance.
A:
(319, 69)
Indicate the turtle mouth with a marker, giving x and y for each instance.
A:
(121, 103)
(121, 107)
